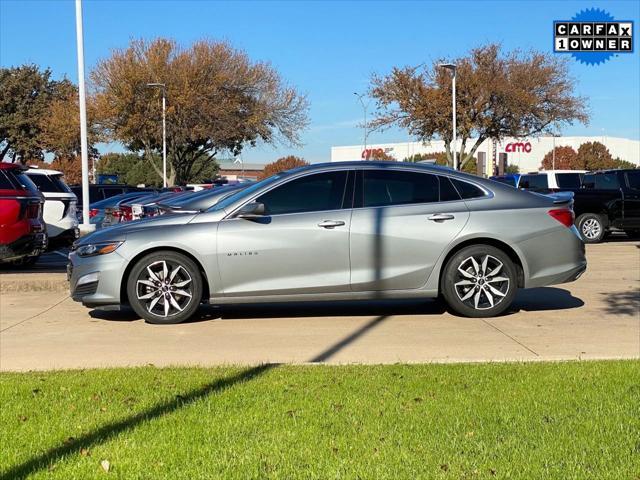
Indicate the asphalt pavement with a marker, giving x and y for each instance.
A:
(596, 317)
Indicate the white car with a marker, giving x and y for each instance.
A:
(59, 206)
(551, 180)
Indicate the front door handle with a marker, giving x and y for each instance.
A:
(440, 217)
(331, 223)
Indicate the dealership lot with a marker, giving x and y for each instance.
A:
(597, 316)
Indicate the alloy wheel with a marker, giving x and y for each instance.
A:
(591, 228)
(479, 284)
(165, 288)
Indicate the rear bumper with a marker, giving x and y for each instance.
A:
(555, 257)
(28, 246)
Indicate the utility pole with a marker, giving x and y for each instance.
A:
(86, 225)
(452, 67)
(164, 130)
(366, 126)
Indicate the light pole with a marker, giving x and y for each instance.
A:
(452, 67)
(164, 130)
(86, 225)
(366, 127)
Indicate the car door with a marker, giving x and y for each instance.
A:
(404, 222)
(632, 200)
(300, 246)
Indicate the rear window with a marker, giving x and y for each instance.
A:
(16, 180)
(534, 182)
(49, 183)
(5, 183)
(568, 180)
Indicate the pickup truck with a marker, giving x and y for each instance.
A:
(608, 200)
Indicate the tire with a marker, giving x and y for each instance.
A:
(480, 265)
(591, 227)
(165, 287)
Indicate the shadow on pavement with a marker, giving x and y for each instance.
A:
(544, 298)
(623, 303)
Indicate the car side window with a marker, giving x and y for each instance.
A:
(5, 183)
(448, 192)
(394, 187)
(633, 179)
(311, 193)
(534, 182)
(468, 190)
(607, 181)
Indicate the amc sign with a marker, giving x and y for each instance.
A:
(373, 152)
(518, 147)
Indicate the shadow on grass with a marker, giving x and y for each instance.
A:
(111, 430)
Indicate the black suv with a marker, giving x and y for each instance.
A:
(608, 200)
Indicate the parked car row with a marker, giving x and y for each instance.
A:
(604, 201)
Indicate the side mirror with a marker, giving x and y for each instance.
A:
(252, 211)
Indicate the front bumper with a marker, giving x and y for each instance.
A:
(105, 290)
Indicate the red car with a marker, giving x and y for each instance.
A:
(23, 235)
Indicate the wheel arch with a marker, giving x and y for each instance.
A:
(124, 298)
(505, 247)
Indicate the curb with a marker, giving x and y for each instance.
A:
(37, 282)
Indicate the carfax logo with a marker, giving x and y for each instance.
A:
(593, 36)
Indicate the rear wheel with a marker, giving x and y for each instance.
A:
(591, 227)
(479, 281)
(165, 287)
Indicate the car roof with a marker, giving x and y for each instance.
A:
(42, 171)
(11, 166)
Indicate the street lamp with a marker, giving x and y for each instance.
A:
(366, 127)
(86, 225)
(452, 67)
(164, 130)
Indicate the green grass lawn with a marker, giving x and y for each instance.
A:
(530, 421)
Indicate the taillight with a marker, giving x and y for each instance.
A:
(125, 213)
(30, 209)
(564, 215)
(93, 212)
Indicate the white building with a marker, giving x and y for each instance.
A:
(526, 153)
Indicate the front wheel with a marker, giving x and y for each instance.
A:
(591, 227)
(165, 287)
(479, 281)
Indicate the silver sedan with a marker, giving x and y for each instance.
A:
(338, 231)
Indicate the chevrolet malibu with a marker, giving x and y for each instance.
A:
(339, 231)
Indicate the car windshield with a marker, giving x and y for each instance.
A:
(230, 200)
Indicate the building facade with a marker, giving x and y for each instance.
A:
(526, 153)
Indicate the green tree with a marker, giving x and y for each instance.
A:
(441, 159)
(511, 168)
(498, 95)
(25, 92)
(282, 164)
(619, 163)
(218, 100)
(566, 158)
(594, 156)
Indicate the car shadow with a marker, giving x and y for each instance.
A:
(622, 303)
(543, 299)
(292, 310)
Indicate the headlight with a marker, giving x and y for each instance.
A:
(93, 249)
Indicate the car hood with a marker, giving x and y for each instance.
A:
(119, 232)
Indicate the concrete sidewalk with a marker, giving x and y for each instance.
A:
(596, 317)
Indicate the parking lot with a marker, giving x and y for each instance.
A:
(597, 316)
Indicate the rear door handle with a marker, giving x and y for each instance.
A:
(440, 217)
(331, 223)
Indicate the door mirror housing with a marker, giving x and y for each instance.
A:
(252, 211)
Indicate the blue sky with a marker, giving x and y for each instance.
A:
(328, 50)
